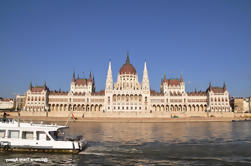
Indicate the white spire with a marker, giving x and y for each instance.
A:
(145, 80)
(109, 80)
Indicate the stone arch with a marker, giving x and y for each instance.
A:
(180, 108)
(201, 108)
(154, 108)
(100, 107)
(140, 98)
(123, 98)
(135, 97)
(92, 107)
(118, 98)
(162, 107)
(189, 108)
(127, 98)
(83, 107)
(114, 98)
(96, 107)
(197, 108)
(185, 108)
(167, 107)
(131, 98)
(172, 108)
(193, 107)
(158, 107)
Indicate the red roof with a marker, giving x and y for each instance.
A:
(155, 93)
(82, 81)
(58, 93)
(200, 93)
(100, 93)
(218, 89)
(127, 68)
(38, 88)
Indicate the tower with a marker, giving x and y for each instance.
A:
(145, 80)
(109, 80)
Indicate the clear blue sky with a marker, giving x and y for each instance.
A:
(46, 40)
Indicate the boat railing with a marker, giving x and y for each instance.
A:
(9, 120)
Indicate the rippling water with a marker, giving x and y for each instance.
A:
(193, 143)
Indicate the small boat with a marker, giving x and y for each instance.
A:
(243, 120)
(30, 137)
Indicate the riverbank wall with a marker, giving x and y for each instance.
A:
(129, 116)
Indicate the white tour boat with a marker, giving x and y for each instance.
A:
(31, 137)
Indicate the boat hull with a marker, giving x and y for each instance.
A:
(21, 149)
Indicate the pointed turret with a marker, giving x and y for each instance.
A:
(30, 86)
(165, 77)
(45, 85)
(210, 86)
(181, 78)
(90, 77)
(93, 84)
(109, 80)
(145, 80)
(224, 86)
(73, 77)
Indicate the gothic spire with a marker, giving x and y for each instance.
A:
(109, 80)
(145, 81)
(210, 86)
(181, 78)
(127, 58)
(93, 81)
(90, 77)
(165, 77)
(224, 86)
(73, 77)
(30, 85)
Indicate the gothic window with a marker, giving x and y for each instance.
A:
(145, 99)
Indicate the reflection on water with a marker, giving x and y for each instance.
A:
(197, 143)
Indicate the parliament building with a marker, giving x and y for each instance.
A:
(127, 97)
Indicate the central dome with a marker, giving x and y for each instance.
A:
(127, 68)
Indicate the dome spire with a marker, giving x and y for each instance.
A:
(127, 58)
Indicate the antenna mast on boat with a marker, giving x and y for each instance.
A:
(18, 119)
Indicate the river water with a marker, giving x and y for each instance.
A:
(191, 143)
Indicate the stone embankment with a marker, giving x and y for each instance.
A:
(157, 119)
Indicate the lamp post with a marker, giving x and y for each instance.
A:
(46, 110)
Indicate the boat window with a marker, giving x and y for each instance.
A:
(41, 135)
(54, 134)
(27, 135)
(13, 134)
(2, 133)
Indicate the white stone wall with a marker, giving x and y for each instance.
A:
(6, 104)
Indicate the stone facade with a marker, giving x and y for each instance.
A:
(128, 97)
(6, 103)
(242, 105)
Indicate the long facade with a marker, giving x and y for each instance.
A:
(128, 94)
